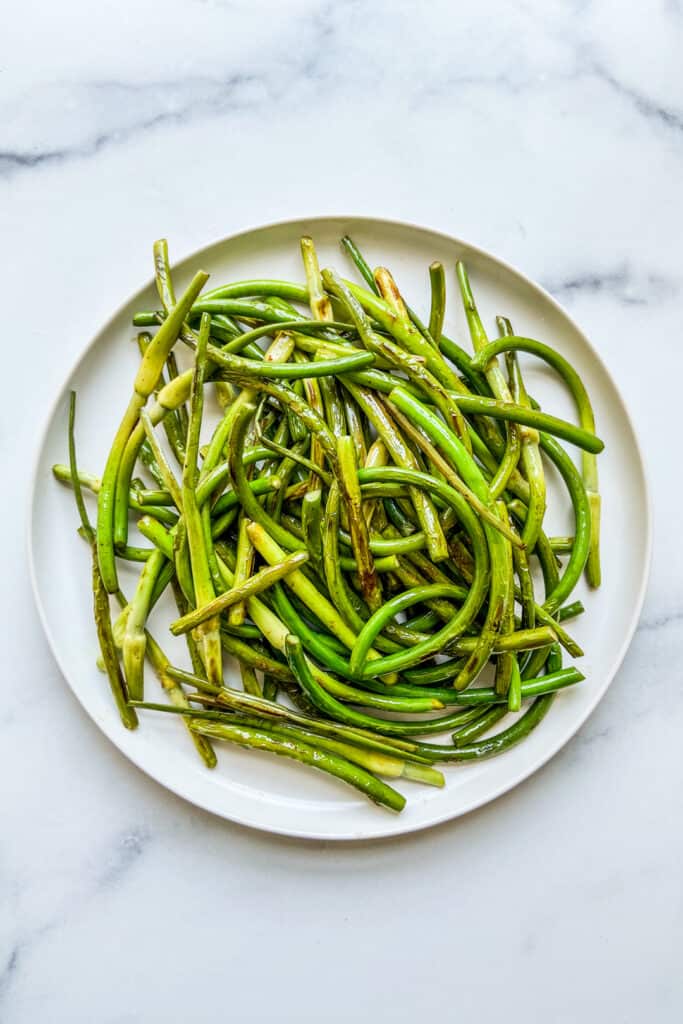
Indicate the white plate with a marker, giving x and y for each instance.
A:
(271, 793)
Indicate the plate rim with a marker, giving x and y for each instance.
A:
(397, 827)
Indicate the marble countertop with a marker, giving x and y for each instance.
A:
(548, 132)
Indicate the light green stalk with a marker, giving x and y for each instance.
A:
(208, 634)
(244, 563)
(360, 540)
(305, 590)
(151, 366)
(134, 638)
(239, 592)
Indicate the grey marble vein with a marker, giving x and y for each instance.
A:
(663, 116)
(112, 867)
(620, 284)
(7, 972)
(103, 113)
(113, 113)
(122, 857)
(652, 624)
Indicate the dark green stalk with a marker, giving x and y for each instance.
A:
(586, 418)
(239, 701)
(460, 458)
(437, 280)
(354, 253)
(332, 764)
(101, 608)
(473, 730)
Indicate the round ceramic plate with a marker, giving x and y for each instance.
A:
(270, 792)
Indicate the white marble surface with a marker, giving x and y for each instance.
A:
(550, 133)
